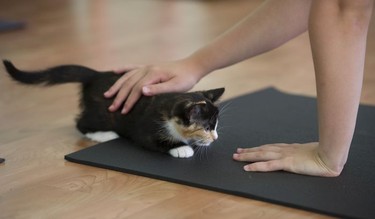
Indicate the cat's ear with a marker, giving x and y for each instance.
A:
(213, 94)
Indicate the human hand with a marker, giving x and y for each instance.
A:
(296, 158)
(177, 76)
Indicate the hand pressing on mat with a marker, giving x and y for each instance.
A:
(296, 158)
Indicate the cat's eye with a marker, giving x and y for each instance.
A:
(207, 129)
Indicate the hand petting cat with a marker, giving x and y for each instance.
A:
(178, 76)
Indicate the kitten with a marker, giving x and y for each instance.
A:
(174, 123)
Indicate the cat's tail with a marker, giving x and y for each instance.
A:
(56, 75)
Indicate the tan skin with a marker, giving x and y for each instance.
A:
(338, 63)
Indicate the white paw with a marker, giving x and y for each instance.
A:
(101, 136)
(182, 152)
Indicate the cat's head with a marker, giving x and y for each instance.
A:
(195, 118)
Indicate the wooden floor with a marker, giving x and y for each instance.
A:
(37, 124)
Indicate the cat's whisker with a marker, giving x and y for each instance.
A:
(205, 150)
(225, 107)
(199, 152)
(202, 152)
(197, 141)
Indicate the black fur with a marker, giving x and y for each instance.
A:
(144, 124)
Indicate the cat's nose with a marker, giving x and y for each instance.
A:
(214, 135)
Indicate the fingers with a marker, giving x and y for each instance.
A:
(140, 82)
(265, 158)
(268, 166)
(257, 156)
(168, 86)
(168, 83)
(128, 91)
(134, 95)
(149, 86)
(117, 85)
(123, 86)
(269, 147)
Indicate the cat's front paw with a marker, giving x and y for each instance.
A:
(182, 152)
(102, 136)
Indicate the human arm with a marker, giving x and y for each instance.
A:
(262, 30)
(338, 31)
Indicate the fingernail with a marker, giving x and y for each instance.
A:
(247, 168)
(106, 93)
(111, 108)
(124, 111)
(146, 90)
(239, 150)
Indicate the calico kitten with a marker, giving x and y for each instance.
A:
(173, 123)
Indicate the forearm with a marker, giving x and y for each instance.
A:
(338, 40)
(272, 24)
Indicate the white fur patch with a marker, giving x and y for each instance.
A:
(102, 136)
(172, 131)
(182, 152)
(214, 132)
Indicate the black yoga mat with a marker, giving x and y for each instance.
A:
(267, 116)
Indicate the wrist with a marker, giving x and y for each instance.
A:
(334, 161)
(195, 67)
